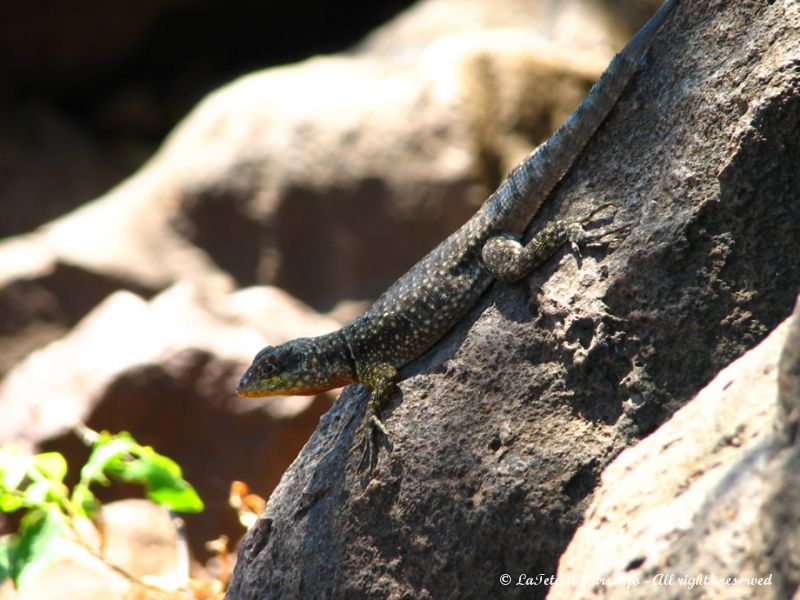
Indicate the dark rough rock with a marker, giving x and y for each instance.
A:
(711, 495)
(501, 431)
(789, 380)
(166, 370)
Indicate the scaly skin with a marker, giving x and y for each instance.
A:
(425, 303)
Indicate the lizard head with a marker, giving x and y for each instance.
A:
(294, 368)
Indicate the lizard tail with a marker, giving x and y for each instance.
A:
(520, 196)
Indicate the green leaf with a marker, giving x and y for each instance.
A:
(41, 475)
(5, 560)
(35, 545)
(37, 492)
(10, 502)
(52, 465)
(143, 466)
(109, 448)
(177, 495)
(121, 457)
(84, 501)
(161, 477)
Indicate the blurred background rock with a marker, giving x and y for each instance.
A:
(89, 89)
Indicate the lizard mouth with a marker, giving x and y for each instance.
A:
(247, 388)
(245, 392)
(250, 389)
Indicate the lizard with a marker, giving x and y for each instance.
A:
(427, 301)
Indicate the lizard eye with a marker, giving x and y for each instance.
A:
(267, 368)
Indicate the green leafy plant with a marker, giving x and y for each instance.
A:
(35, 485)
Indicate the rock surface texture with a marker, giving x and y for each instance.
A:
(502, 430)
(709, 503)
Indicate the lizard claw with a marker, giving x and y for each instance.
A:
(603, 237)
(591, 216)
(608, 237)
(368, 431)
(380, 377)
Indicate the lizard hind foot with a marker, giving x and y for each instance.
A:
(601, 237)
(604, 237)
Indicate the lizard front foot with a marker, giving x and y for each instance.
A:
(368, 431)
(380, 378)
